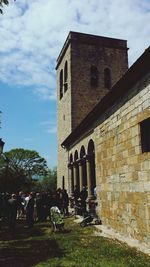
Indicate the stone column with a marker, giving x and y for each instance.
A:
(70, 171)
(75, 173)
(88, 167)
(81, 175)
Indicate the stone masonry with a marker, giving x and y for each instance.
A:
(81, 51)
(108, 138)
(123, 172)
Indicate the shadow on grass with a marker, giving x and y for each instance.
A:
(21, 232)
(25, 248)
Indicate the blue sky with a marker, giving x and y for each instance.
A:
(32, 34)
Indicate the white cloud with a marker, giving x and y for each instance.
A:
(50, 126)
(52, 130)
(33, 32)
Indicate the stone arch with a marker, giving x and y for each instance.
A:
(76, 169)
(91, 147)
(70, 158)
(76, 155)
(83, 164)
(71, 175)
(91, 158)
(82, 152)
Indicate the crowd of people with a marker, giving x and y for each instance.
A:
(35, 206)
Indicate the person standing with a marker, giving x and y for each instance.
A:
(12, 211)
(65, 202)
(29, 207)
(83, 197)
(76, 194)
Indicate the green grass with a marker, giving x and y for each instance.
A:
(74, 247)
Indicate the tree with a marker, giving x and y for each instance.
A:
(48, 182)
(19, 168)
(3, 2)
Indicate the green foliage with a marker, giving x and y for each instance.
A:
(2, 3)
(73, 247)
(48, 182)
(18, 167)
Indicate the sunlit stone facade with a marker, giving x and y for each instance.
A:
(104, 133)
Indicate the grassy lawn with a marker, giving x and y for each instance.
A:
(74, 247)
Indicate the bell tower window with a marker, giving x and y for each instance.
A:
(94, 76)
(66, 77)
(61, 83)
(107, 78)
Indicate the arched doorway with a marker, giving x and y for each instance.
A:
(76, 169)
(83, 164)
(71, 177)
(91, 158)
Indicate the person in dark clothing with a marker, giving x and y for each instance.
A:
(29, 207)
(39, 207)
(21, 200)
(83, 197)
(6, 196)
(65, 202)
(12, 213)
(76, 194)
(58, 197)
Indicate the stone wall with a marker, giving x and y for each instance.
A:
(81, 51)
(84, 96)
(123, 171)
(64, 124)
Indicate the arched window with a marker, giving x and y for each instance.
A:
(107, 78)
(75, 155)
(70, 158)
(66, 77)
(82, 152)
(91, 147)
(76, 170)
(61, 83)
(94, 76)
(91, 154)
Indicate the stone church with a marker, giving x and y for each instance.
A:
(103, 110)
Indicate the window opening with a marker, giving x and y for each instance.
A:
(61, 84)
(145, 135)
(66, 77)
(107, 78)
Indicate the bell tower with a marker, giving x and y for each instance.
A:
(87, 67)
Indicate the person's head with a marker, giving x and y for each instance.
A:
(20, 193)
(31, 194)
(13, 196)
